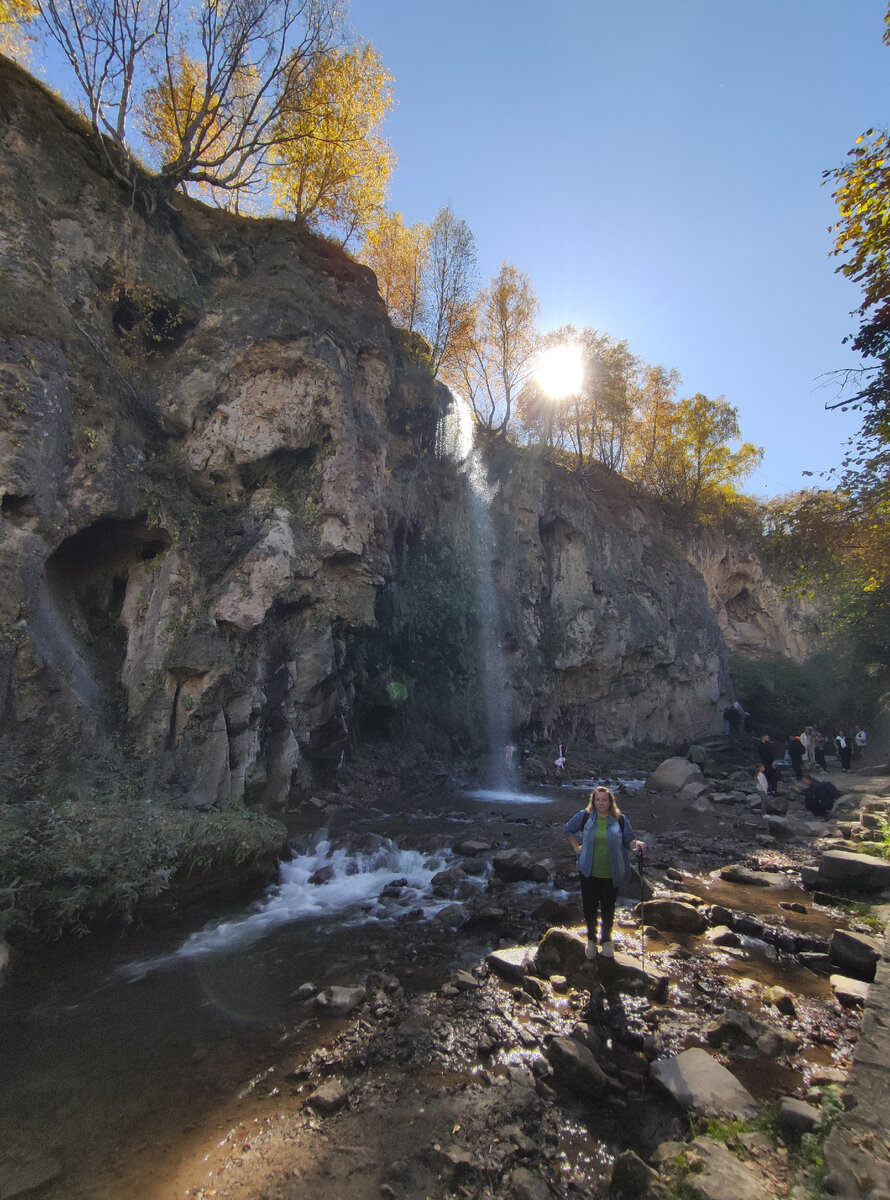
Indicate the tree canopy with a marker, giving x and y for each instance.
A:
(862, 239)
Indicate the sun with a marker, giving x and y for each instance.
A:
(559, 370)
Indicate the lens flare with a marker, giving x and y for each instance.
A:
(559, 370)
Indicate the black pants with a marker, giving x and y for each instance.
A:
(598, 895)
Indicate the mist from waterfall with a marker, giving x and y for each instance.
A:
(457, 441)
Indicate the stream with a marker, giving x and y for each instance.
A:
(124, 1051)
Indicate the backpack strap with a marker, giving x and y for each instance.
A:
(586, 818)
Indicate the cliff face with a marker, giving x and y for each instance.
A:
(227, 541)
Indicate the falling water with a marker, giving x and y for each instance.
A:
(456, 440)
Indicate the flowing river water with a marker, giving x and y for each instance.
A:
(123, 1051)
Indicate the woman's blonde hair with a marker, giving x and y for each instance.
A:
(614, 810)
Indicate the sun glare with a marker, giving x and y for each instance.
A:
(559, 370)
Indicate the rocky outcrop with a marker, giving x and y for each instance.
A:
(228, 543)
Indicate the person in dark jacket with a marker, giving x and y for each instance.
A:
(818, 795)
(796, 753)
(765, 753)
(844, 746)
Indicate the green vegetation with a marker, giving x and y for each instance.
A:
(421, 670)
(65, 866)
(785, 696)
(99, 839)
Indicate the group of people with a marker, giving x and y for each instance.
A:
(802, 753)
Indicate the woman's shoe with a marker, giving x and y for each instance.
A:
(590, 950)
(607, 950)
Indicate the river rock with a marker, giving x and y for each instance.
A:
(632, 1177)
(855, 953)
(796, 1116)
(699, 1083)
(781, 999)
(722, 935)
(511, 963)
(558, 912)
(471, 848)
(513, 866)
(575, 1067)
(340, 1001)
(330, 1096)
(842, 869)
(673, 774)
(559, 952)
(720, 1175)
(851, 993)
(775, 806)
(738, 1028)
(736, 873)
(675, 915)
(526, 1185)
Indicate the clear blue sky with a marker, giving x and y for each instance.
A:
(655, 167)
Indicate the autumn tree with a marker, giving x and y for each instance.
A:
(331, 162)
(653, 403)
(398, 255)
(15, 18)
(697, 464)
(105, 43)
(219, 77)
(862, 239)
(823, 545)
(591, 422)
(496, 354)
(449, 287)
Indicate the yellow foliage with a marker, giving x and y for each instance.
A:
(332, 165)
(397, 254)
(181, 111)
(14, 16)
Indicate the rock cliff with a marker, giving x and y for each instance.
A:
(229, 546)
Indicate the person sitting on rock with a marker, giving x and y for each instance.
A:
(818, 795)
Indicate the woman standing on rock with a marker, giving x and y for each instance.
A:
(605, 838)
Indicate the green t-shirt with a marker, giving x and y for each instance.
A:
(602, 864)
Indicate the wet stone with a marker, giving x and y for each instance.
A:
(631, 1176)
(575, 1068)
(722, 935)
(510, 963)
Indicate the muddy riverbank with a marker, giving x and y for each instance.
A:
(372, 1048)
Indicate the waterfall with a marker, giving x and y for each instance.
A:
(456, 440)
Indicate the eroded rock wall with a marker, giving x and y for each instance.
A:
(228, 544)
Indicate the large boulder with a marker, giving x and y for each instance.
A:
(674, 915)
(575, 1067)
(672, 775)
(841, 870)
(699, 1083)
(856, 954)
(559, 953)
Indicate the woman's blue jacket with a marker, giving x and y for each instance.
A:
(618, 841)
